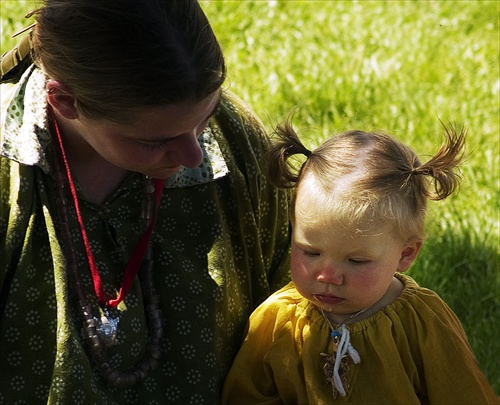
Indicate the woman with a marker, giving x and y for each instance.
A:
(137, 227)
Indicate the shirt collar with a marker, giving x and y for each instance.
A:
(24, 134)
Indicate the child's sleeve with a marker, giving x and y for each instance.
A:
(452, 374)
(251, 378)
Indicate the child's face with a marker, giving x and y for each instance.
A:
(340, 270)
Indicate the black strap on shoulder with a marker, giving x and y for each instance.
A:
(14, 63)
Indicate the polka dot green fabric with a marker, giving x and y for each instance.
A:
(220, 248)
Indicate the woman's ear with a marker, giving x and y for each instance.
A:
(409, 254)
(61, 99)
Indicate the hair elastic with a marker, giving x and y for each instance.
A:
(424, 172)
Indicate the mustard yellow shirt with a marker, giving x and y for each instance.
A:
(414, 351)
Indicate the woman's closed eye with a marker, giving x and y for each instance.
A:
(152, 146)
(155, 145)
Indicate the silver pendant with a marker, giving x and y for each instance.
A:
(107, 328)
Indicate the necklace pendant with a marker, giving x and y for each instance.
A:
(328, 370)
(107, 328)
(336, 365)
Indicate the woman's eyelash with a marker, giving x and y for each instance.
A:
(153, 145)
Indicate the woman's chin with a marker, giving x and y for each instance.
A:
(162, 173)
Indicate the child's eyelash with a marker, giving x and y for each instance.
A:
(309, 253)
(358, 261)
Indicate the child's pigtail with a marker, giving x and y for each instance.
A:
(443, 166)
(282, 171)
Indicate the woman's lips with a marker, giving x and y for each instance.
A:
(328, 299)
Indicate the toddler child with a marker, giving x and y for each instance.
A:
(351, 327)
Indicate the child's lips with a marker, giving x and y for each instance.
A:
(328, 299)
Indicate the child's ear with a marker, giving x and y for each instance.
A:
(61, 99)
(409, 254)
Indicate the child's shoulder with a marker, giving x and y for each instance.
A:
(413, 292)
(284, 304)
(422, 303)
(285, 296)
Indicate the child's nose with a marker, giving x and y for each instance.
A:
(330, 274)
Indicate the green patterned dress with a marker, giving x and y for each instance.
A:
(220, 248)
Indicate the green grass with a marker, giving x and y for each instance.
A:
(396, 66)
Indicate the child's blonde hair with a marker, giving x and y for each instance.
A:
(381, 177)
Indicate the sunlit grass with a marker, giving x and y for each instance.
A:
(398, 66)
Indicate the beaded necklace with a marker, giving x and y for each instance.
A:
(100, 333)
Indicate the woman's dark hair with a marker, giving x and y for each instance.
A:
(117, 55)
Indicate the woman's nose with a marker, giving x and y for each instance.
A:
(187, 151)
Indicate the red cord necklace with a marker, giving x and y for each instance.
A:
(100, 333)
(137, 256)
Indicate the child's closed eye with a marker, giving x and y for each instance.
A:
(358, 261)
(310, 253)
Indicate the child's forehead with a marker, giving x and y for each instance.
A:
(335, 218)
(325, 232)
(316, 206)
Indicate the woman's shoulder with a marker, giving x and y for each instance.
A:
(238, 126)
(233, 107)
